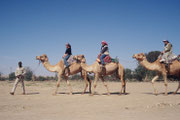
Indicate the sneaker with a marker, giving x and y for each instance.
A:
(11, 93)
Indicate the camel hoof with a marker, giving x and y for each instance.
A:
(70, 94)
(54, 94)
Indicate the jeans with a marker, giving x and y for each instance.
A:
(65, 60)
(101, 58)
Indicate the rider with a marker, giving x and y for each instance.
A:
(167, 51)
(104, 51)
(67, 54)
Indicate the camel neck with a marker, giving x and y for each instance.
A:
(49, 67)
(150, 66)
(86, 67)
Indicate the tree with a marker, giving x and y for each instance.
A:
(0, 74)
(41, 78)
(139, 73)
(12, 76)
(29, 74)
(127, 74)
(153, 56)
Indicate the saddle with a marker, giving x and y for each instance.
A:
(107, 59)
(167, 65)
(170, 59)
(70, 60)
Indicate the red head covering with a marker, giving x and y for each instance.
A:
(104, 42)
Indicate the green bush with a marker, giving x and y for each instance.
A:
(29, 74)
(12, 76)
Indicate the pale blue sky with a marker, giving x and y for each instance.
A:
(32, 27)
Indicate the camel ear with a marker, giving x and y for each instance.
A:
(44, 55)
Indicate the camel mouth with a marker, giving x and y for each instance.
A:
(133, 56)
(37, 58)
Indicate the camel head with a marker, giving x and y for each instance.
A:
(139, 56)
(79, 58)
(43, 58)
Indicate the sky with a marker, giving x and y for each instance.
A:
(29, 28)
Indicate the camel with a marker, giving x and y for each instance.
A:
(174, 69)
(100, 73)
(74, 68)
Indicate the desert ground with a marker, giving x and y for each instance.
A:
(39, 104)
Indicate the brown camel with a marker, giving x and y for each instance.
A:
(100, 73)
(174, 69)
(74, 68)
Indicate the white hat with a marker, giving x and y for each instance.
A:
(165, 41)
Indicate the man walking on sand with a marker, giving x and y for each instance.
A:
(20, 71)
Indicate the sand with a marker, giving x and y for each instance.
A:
(40, 104)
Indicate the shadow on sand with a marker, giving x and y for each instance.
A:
(32, 93)
(96, 93)
(162, 93)
(74, 93)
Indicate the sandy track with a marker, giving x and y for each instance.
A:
(39, 104)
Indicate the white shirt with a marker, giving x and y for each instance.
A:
(20, 71)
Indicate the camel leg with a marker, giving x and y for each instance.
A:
(95, 84)
(86, 82)
(120, 74)
(90, 81)
(123, 85)
(165, 83)
(153, 81)
(58, 84)
(69, 85)
(105, 84)
(86, 79)
(177, 88)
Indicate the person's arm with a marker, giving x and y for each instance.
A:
(64, 55)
